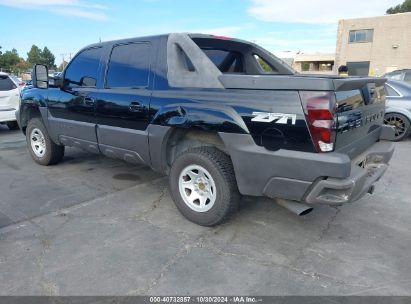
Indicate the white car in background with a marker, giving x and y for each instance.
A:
(20, 83)
(9, 101)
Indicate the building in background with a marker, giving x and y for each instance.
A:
(374, 46)
(288, 60)
(314, 63)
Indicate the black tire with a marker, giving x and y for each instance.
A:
(12, 125)
(53, 153)
(219, 166)
(401, 123)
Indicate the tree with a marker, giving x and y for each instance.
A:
(400, 8)
(62, 65)
(34, 55)
(48, 58)
(9, 59)
(45, 56)
(21, 66)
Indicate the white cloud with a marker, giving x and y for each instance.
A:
(75, 8)
(317, 11)
(76, 12)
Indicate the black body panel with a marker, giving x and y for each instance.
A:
(360, 117)
(102, 115)
(231, 111)
(122, 118)
(258, 115)
(71, 113)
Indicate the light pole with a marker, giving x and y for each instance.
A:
(62, 57)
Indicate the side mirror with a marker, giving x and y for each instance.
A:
(88, 81)
(40, 76)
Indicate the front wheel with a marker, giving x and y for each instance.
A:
(203, 185)
(400, 123)
(42, 149)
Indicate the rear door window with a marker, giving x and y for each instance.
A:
(84, 68)
(129, 66)
(6, 84)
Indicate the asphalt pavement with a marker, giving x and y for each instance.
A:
(97, 226)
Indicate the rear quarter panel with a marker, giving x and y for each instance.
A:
(233, 111)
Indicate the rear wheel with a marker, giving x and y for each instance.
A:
(400, 123)
(12, 125)
(42, 149)
(203, 185)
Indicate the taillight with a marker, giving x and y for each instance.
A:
(319, 109)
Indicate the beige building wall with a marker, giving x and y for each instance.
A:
(318, 63)
(391, 46)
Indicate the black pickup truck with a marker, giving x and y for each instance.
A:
(220, 116)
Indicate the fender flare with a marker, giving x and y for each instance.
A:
(32, 99)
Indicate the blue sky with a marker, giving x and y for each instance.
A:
(65, 26)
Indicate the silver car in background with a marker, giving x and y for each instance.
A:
(400, 75)
(398, 108)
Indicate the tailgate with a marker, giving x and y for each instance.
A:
(360, 113)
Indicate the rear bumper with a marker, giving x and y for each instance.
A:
(366, 170)
(313, 178)
(7, 115)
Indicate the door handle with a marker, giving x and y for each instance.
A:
(135, 107)
(85, 98)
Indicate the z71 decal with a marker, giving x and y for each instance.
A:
(279, 118)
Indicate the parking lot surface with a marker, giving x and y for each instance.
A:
(97, 226)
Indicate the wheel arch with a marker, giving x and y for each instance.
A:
(33, 104)
(406, 130)
(177, 140)
(27, 113)
(401, 111)
(179, 126)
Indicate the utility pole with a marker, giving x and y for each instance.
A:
(62, 57)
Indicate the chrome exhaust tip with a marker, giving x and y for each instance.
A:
(295, 207)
